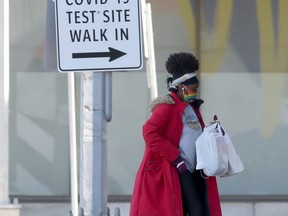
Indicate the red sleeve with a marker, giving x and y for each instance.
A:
(154, 133)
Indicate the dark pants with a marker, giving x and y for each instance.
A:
(194, 194)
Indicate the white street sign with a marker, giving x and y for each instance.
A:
(98, 35)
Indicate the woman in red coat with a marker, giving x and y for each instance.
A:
(167, 182)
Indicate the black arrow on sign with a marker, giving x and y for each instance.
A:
(112, 54)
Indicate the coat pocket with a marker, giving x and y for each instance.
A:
(154, 162)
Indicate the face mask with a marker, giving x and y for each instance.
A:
(188, 95)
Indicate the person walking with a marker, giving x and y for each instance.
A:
(167, 182)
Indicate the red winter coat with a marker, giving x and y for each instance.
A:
(157, 188)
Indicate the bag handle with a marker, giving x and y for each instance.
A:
(222, 130)
(203, 174)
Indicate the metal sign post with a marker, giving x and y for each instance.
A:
(73, 145)
(100, 36)
(93, 151)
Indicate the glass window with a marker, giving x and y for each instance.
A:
(242, 47)
(243, 72)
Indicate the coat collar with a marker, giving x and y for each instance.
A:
(173, 98)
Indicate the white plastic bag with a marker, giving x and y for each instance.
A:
(235, 164)
(215, 153)
(211, 151)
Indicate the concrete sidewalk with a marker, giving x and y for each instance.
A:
(228, 209)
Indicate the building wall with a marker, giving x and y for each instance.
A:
(243, 56)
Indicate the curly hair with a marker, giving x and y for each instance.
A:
(181, 63)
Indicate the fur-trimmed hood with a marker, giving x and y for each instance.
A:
(168, 99)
